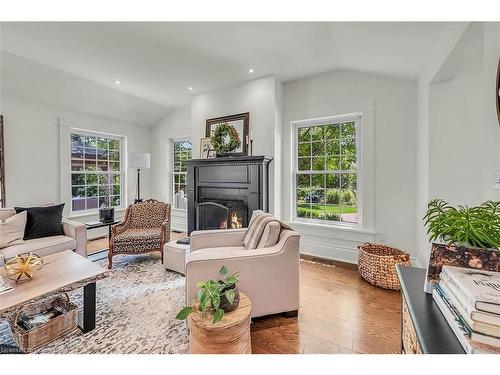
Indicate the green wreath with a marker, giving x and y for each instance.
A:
(226, 139)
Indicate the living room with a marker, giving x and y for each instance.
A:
(302, 171)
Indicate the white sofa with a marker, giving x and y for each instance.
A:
(268, 276)
(74, 238)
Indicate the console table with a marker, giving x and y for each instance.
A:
(424, 330)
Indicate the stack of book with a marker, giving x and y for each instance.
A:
(470, 301)
(5, 286)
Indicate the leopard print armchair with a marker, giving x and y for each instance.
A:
(144, 229)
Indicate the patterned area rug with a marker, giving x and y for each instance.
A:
(136, 308)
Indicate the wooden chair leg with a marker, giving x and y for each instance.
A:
(110, 260)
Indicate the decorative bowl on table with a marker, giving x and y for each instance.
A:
(23, 266)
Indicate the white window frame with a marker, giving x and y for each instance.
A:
(66, 128)
(173, 172)
(351, 117)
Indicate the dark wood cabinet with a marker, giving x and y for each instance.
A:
(424, 330)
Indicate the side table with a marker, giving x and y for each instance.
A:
(231, 335)
(95, 225)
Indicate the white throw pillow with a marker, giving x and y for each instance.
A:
(12, 229)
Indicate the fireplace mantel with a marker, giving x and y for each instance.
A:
(245, 178)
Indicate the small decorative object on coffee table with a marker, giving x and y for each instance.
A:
(23, 266)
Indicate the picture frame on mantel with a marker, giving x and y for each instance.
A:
(205, 148)
(240, 122)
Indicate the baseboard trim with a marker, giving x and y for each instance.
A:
(336, 252)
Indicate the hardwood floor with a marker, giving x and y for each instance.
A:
(339, 313)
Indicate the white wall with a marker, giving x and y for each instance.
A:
(32, 151)
(390, 105)
(459, 134)
(463, 147)
(260, 97)
(177, 123)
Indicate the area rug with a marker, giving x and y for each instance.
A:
(136, 308)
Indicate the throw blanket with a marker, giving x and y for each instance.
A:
(256, 228)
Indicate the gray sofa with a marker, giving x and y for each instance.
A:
(74, 238)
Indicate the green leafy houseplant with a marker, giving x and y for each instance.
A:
(210, 295)
(226, 139)
(462, 225)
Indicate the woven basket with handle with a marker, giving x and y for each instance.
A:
(30, 340)
(377, 264)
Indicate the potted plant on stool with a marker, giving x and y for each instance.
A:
(221, 296)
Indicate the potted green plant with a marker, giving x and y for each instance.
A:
(462, 236)
(217, 296)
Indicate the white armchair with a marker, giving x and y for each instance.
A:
(269, 276)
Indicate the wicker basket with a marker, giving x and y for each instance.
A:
(377, 264)
(30, 340)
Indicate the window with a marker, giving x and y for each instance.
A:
(326, 170)
(96, 171)
(182, 152)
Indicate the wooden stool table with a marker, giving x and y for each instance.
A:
(231, 335)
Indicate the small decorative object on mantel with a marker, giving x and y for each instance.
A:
(205, 148)
(216, 297)
(23, 266)
(470, 238)
(225, 139)
(250, 142)
(240, 123)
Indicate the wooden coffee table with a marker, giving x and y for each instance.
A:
(231, 335)
(61, 272)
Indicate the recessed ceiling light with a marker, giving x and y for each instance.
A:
(250, 70)
(190, 88)
(118, 82)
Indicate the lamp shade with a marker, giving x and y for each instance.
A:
(138, 160)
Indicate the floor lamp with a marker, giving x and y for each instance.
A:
(138, 160)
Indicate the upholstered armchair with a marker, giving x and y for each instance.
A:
(144, 229)
(269, 274)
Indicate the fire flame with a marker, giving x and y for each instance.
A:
(235, 221)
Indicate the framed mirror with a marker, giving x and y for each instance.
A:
(240, 123)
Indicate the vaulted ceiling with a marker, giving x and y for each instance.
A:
(156, 62)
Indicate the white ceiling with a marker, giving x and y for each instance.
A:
(156, 62)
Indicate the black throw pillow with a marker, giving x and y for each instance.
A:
(42, 221)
